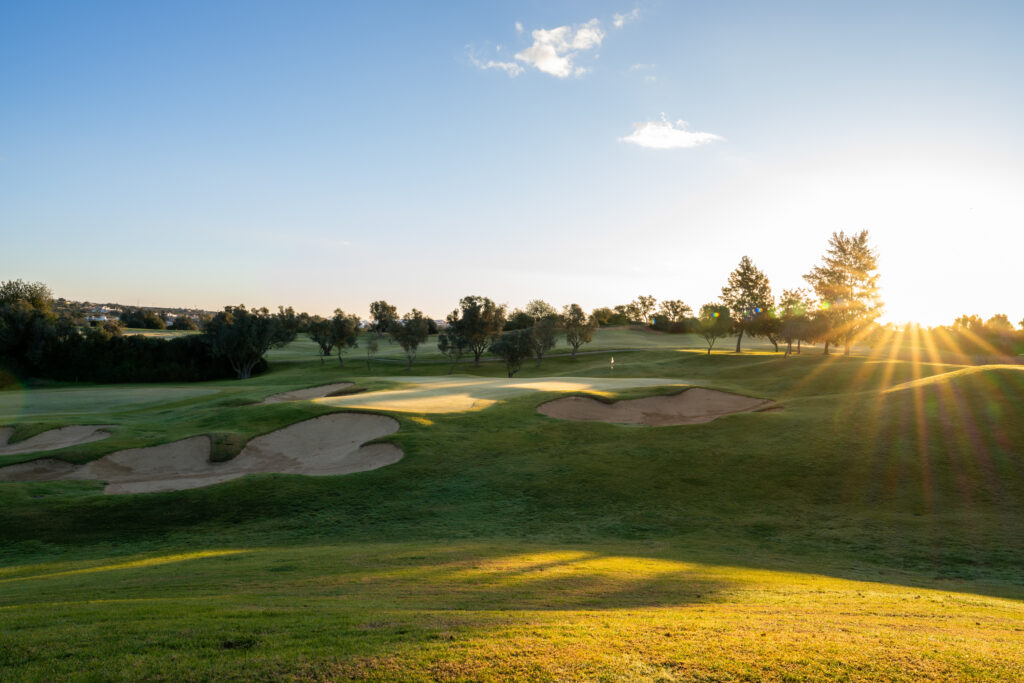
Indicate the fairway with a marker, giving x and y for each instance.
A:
(869, 530)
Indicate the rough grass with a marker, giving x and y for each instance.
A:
(871, 530)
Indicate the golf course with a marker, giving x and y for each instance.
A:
(802, 517)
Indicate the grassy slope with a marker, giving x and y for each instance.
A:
(871, 529)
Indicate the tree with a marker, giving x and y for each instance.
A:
(513, 348)
(344, 334)
(184, 323)
(26, 323)
(319, 330)
(579, 329)
(674, 311)
(766, 323)
(410, 332)
(242, 336)
(542, 334)
(142, 319)
(747, 293)
(451, 342)
(518, 320)
(371, 352)
(794, 309)
(481, 322)
(538, 309)
(383, 314)
(714, 323)
(644, 307)
(846, 284)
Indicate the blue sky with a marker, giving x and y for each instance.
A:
(325, 155)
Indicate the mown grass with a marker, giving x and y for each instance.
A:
(872, 529)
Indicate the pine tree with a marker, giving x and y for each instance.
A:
(846, 284)
(747, 294)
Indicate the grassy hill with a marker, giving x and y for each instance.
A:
(871, 529)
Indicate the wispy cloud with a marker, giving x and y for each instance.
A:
(554, 50)
(665, 134)
(511, 68)
(620, 20)
(519, 27)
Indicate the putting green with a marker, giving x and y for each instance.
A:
(461, 393)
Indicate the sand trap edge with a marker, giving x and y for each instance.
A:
(601, 407)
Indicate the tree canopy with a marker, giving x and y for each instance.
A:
(243, 336)
(846, 284)
(513, 347)
(383, 314)
(579, 329)
(410, 331)
(480, 321)
(747, 294)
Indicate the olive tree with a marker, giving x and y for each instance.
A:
(579, 329)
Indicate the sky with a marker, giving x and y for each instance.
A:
(325, 155)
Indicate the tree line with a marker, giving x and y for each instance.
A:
(839, 307)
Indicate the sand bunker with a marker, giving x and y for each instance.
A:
(690, 407)
(307, 394)
(55, 438)
(326, 445)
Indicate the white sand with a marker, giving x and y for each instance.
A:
(690, 407)
(326, 445)
(306, 394)
(51, 440)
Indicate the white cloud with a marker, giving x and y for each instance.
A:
(641, 67)
(665, 134)
(511, 68)
(519, 27)
(620, 20)
(554, 50)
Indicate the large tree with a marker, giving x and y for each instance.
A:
(319, 330)
(451, 342)
(795, 307)
(579, 329)
(543, 334)
(513, 347)
(714, 323)
(674, 311)
(344, 333)
(242, 336)
(480, 321)
(410, 331)
(26, 323)
(846, 284)
(747, 294)
(644, 307)
(383, 314)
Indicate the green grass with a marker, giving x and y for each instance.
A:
(872, 529)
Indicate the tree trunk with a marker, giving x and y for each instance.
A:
(539, 356)
(738, 340)
(789, 347)
(847, 351)
(826, 347)
(798, 347)
(574, 352)
(775, 343)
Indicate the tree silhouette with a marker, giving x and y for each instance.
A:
(846, 284)
(747, 294)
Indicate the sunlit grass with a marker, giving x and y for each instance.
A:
(869, 530)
